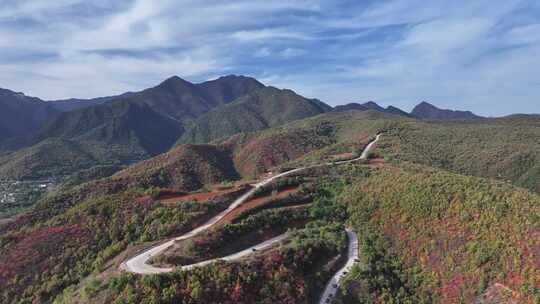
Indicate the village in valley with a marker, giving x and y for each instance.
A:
(17, 195)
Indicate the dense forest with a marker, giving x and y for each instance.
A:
(429, 236)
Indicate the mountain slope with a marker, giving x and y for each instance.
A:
(262, 109)
(396, 111)
(58, 157)
(173, 99)
(504, 148)
(119, 123)
(184, 168)
(426, 110)
(431, 236)
(227, 88)
(72, 104)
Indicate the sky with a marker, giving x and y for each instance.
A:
(481, 55)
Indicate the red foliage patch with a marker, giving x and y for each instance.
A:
(39, 250)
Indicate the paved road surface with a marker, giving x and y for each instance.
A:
(352, 256)
(241, 254)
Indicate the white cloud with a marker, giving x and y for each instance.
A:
(524, 34)
(262, 52)
(90, 75)
(292, 52)
(266, 34)
(466, 54)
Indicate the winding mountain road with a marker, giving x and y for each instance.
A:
(352, 256)
(139, 263)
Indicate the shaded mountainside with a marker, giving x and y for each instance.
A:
(426, 110)
(396, 111)
(21, 115)
(121, 122)
(259, 110)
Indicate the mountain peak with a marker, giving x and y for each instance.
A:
(233, 76)
(239, 80)
(426, 104)
(174, 80)
(371, 105)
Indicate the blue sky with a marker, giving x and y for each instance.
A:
(480, 55)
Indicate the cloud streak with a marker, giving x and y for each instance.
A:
(477, 55)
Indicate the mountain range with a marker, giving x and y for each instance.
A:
(423, 110)
(122, 129)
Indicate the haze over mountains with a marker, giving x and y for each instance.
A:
(43, 138)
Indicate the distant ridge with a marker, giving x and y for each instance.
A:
(370, 105)
(425, 110)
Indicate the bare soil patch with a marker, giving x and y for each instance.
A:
(175, 197)
(257, 201)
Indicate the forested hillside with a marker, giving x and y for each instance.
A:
(429, 236)
(506, 149)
